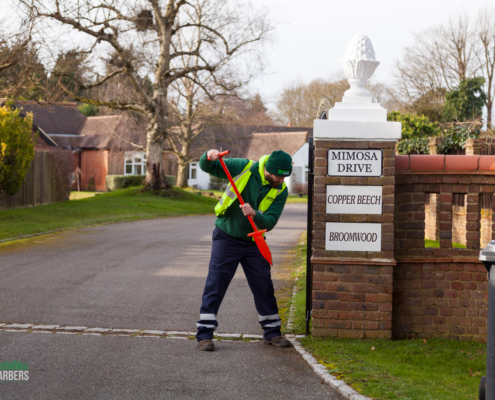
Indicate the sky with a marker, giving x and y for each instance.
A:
(312, 35)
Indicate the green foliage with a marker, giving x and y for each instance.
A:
(430, 104)
(115, 182)
(414, 126)
(455, 138)
(68, 72)
(416, 132)
(16, 149)
(461, 104)
(414, 146)
(89, 110)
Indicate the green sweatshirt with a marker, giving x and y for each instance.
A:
(234, 222)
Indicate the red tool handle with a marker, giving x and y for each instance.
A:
(221, 155)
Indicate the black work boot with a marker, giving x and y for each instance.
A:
(278, 341)
(206, 345)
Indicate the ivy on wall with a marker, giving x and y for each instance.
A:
(413, 146)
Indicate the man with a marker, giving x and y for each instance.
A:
(261, 185)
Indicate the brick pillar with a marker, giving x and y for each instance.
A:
(446, 197)
(352, 290)
(473, 217)
(353, 228)
(473, 147)
(433, 144)
(410, 218)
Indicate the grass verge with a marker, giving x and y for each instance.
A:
(432, 369)
(436, 244)
(122, 205)
(292, 198)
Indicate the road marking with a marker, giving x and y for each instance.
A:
(95, 331)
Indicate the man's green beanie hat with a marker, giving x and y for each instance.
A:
(279, 163)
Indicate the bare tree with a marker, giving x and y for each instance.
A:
(439, 59)
(485, 52)
(197, 99)
(142, 41)
(298, 102)
(20, 69)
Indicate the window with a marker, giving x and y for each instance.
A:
(192, 171)
(135, 163)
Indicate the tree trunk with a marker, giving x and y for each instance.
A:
(182, 174)
(155, 176)
(489, 106)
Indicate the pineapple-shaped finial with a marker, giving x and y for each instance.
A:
(359, 64)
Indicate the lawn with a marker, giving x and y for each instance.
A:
(432, 369)
(436, 244)
(292, 198)
(81, 195)
(122, 205)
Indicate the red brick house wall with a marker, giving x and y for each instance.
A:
(94, 164)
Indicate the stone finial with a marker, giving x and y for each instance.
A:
(359, 64)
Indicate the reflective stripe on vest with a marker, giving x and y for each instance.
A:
(241, 181)
(229, 195)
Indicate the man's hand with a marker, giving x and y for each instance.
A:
(247, 210)
(212, 155)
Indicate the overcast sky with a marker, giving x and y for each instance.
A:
(312, 35)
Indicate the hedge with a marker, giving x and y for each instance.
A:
(114, 182)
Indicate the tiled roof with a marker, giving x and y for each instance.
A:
(236, 138)
(265, 143)
(112, 132)
(55, 118)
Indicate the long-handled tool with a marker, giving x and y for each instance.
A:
(257, 235)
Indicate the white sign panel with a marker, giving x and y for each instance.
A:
(343, 236)
(354, 199)
(355, 162)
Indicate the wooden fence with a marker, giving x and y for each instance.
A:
(40, 186)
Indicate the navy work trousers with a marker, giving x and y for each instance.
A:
(226, 254)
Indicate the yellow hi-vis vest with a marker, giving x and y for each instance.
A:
(241, 181)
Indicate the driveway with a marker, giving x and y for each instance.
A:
(141, 275)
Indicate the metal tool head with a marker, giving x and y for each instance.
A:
(262, 246)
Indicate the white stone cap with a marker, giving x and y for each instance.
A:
(357, 112)
(380, 131)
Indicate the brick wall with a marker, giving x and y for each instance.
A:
(407, 290)
(352, 300)
(445, 300)
(352, 294)
(442, 292)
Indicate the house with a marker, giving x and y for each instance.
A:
(114, 144)
(102, 145)
(254, 145)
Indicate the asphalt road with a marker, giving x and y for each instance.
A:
(141, 275)
(109, 367)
